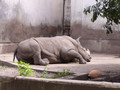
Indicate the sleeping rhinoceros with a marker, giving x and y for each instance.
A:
(45, 50)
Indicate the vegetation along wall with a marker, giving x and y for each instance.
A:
(93, 34)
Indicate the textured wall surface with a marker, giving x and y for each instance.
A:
(21, 19)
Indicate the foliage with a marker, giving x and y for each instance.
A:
(2, 66)
(45, 72)
(25, 70)
(109, 9)
(66, 72)
(58, 75)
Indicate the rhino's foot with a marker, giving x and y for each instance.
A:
(44, 62)
(82, 62)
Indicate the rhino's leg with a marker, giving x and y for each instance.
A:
(50, 56)
(72, 54)
(19, 58)
(53, 60)
(38, 60)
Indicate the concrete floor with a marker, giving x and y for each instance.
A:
(102, 62)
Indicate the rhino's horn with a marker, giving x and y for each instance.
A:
(78, 40)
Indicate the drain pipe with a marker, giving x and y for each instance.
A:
(66, 17)
(63, 17)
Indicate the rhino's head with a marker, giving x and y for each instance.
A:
(84, 52)
(86, 55)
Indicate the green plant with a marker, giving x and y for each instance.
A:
(25, 70)
(109, 9)
(2, 66)
(65, 72)
(45, 72)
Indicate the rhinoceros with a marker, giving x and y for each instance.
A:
(45, 50)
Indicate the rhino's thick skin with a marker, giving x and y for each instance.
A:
(45, 50)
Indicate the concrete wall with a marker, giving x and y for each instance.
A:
(21, 19)
(93, 34)
(26, 83)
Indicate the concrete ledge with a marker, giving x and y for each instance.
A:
(7, 63)
(102, 46)
(31, 83)
(7, 47)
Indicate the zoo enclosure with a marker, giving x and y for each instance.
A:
(22, 19)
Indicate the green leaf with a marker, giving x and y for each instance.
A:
(96, 0)
(95, 15)
(24, 69)
(87, 10)
(109, 9)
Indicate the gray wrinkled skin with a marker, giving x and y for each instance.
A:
(45, 50)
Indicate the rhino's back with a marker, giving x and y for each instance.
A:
(54, 44)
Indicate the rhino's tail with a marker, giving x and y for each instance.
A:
(15, 52)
